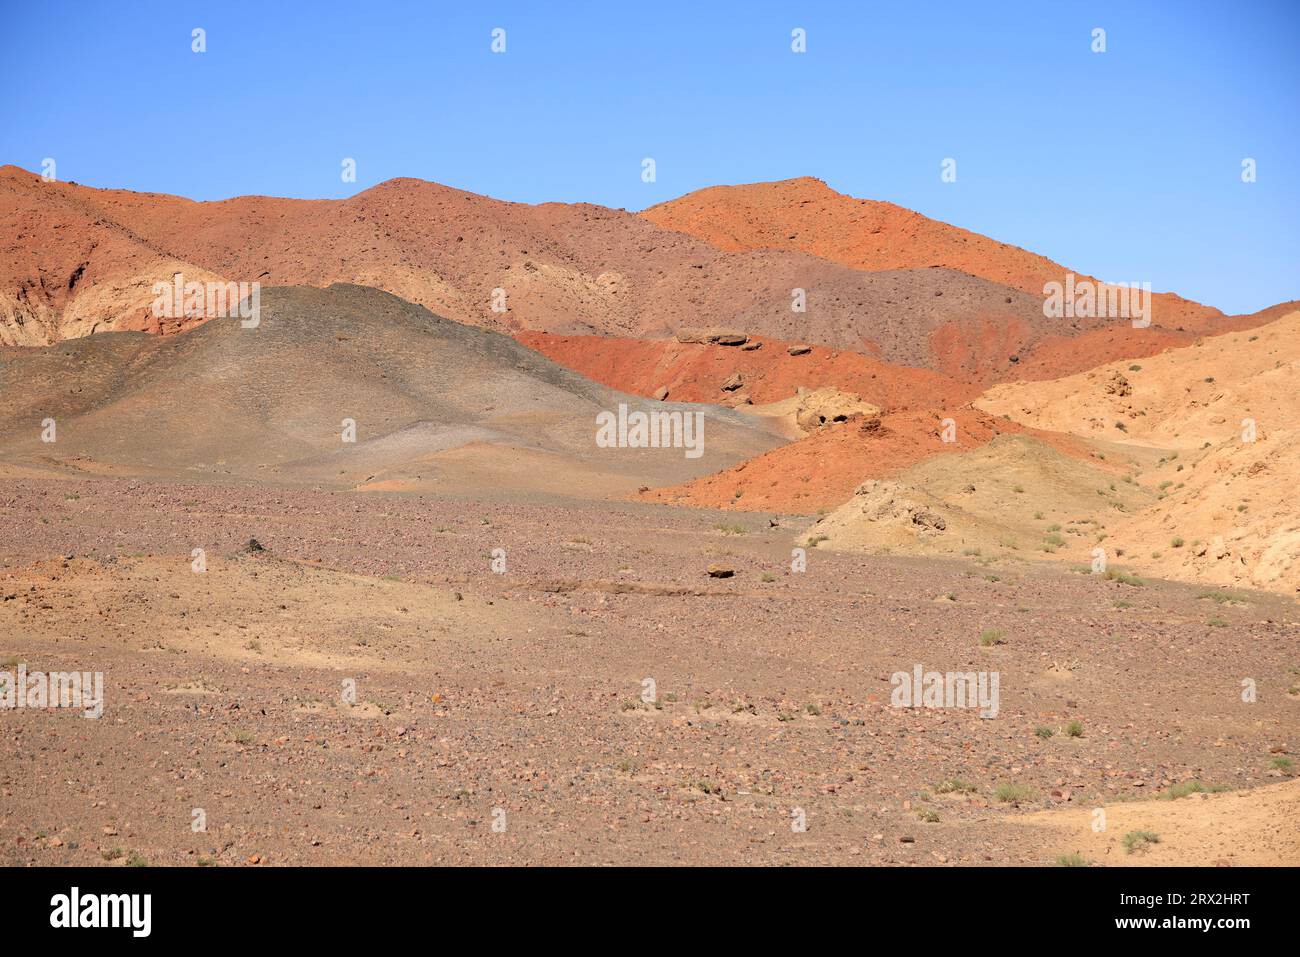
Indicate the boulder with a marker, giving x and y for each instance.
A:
(712, 336)
(729, 338)
(816, 408)
(1118, 385)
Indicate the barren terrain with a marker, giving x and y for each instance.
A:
(366, 585)
(522, 691)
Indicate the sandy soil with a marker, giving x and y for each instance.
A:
(1259, 828)
(820, 472)
(1179, 399)
(1014, 494)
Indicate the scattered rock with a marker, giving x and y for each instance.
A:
(799, 350)
(928, 519)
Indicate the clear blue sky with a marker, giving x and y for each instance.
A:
(1125, 164)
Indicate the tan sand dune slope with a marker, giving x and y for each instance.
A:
(1181, 398)
(1015, 495)
(1231, 518)
(1223, 416)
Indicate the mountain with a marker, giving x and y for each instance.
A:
(808, 216)
(433, 403)
(79, 261)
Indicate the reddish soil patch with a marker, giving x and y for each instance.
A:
(695, 373)
(821, 471)
(985, 348)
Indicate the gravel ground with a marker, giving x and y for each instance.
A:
(503, 717)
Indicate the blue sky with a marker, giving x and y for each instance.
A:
(1124, 164)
